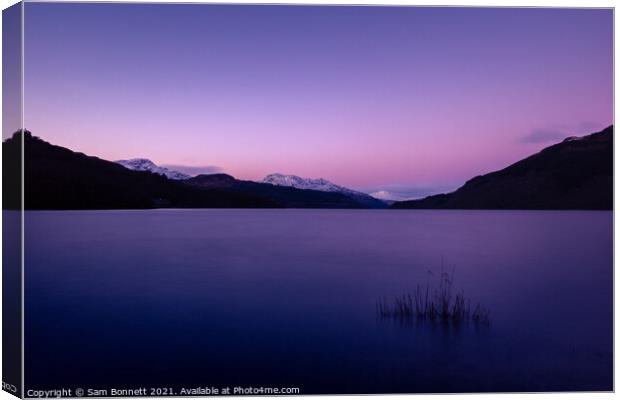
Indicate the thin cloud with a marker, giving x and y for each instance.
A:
(544, 136)
(589, 126)
(559, 132)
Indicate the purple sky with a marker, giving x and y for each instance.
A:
(408, 99)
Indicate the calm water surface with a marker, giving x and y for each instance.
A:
(186, 298)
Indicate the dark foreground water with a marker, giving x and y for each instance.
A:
(286, 298)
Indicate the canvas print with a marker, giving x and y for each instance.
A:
(234, 199)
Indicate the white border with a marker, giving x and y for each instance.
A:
(474, 3)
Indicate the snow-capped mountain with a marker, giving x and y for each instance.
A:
(143, 164)
(320, 184)
(389, 196)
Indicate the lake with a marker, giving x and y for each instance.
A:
(286, 298)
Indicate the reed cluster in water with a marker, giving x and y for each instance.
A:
(441, 305)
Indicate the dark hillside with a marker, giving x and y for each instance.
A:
(58, 178)
(576, 174)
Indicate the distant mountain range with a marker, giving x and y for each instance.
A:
(58, 178)
(143, 164)
(286, 195)
(574, 174)
(224, 180)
